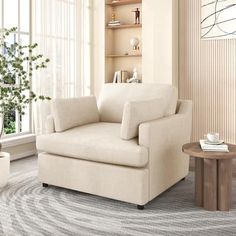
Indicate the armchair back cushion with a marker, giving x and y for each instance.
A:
(114, 96)
(137, 112)
(73, 112)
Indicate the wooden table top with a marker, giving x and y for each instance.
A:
(194, 150)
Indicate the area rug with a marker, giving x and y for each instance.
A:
(26, 208)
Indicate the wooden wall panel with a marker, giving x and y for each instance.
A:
(207, 75)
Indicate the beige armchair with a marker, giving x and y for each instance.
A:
(132, 156)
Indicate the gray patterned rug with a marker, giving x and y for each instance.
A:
(28, 209)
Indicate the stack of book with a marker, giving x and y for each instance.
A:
(206, 147)
(121, 76)
(114, 23)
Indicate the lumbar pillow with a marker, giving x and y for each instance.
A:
(73, 112)
(137, 112)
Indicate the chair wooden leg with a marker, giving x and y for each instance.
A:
(45, 185)
(140, 207)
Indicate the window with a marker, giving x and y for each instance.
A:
(16, 13)
(62, 30)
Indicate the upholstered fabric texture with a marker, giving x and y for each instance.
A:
(50, 126)
(114, 96)
(73, 112)
(93, 158)
(113, 181)
(98, 152)
(164, 139)
(137, 112)
(98, 142)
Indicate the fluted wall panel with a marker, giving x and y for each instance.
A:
(207, 75)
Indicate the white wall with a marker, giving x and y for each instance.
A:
(160, 41)
(98, 46)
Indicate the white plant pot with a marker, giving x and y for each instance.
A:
(4, 168)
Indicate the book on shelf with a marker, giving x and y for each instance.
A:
(121, 76)
(124, 76)
(114, 23)
(213, 147)
(117, 77)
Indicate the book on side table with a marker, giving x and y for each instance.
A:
(206, 147)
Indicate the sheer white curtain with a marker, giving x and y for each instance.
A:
(61, 29)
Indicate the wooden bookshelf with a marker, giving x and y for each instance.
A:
(119, 53)
(123, 2)
(127, 26)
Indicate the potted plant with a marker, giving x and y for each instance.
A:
(17, 65)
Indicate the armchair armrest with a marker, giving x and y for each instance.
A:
(164, 139)
(171, 128)
(50, 126)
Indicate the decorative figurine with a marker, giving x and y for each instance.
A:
(137, 16)
(134, 42)
(134, 79)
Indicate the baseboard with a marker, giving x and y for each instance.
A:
(23, 155)
(17, 140)
(20, 151)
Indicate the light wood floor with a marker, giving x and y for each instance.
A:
(24, 164)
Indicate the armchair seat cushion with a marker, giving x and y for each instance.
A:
(98, 142)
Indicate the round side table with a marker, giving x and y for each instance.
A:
(213, 177)
(4, 168)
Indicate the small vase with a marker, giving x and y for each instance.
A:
(4, 168)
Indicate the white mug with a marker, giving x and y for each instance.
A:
(213, 137)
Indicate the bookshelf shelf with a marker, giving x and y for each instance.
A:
(128, 26)
(123, 2)
(123, 55)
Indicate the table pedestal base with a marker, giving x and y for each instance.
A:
(213, 184)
